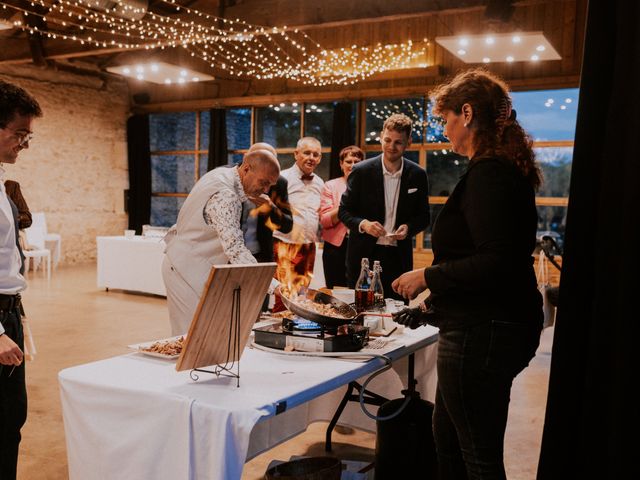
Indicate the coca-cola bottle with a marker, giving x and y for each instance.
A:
(376, 286)
(363, 293)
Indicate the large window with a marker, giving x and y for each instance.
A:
(179, 144)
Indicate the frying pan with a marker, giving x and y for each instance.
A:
(347, 312)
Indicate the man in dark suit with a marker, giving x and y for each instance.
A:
(386, 203)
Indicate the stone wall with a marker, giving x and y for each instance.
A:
(75, 169)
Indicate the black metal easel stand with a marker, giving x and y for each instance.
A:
(229, 368)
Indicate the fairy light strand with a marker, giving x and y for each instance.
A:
(238, 48)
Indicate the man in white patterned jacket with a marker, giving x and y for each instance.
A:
(208, 231)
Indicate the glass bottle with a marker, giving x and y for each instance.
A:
(376, 286)
(363, 292)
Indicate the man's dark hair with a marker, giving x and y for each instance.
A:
(14, 99)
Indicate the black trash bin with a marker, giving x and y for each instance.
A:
(404, 444)
(310, 468)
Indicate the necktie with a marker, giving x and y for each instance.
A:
(307, 176)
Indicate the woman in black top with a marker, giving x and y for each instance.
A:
(482, 282)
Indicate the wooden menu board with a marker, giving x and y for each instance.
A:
(209, 341)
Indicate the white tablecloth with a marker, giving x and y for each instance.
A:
(131, 264)
(136, 417)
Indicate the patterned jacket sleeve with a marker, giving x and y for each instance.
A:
(223, 212)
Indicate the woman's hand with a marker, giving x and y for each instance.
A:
(410, 284)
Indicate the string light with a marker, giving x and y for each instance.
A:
(234, 46)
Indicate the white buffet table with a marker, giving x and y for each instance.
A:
(134, 416)
(131, 264)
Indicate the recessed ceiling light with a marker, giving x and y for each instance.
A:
(567, 100)
(463, 42)
(550, 100)
(535, 58)
(161, 73)
(182, 80)
(281, 105)
(294, 104)
(509, 59)
(486, 59)
(563, 107)
(499, 46)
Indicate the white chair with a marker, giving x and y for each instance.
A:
(36, 250)
(53, 241)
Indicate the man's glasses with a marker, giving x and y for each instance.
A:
(23, 138)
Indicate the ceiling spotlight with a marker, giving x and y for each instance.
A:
(567, 100)
(535, 58)
(281, 105)
(498, 46)
(161, 73)
(550, 100)
(509, 59)
(563, 107)
(294, 104)
(486, 59)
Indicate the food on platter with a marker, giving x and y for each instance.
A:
(166, 347)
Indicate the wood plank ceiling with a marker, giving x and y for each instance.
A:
(331, 23)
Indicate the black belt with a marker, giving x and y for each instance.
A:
(9, 302)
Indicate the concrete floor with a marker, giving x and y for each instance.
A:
(74, 322)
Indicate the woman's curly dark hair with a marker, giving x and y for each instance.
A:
(497, 132)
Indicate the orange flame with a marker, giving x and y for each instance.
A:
(292, 282)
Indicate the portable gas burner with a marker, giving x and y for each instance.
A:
(306, 336)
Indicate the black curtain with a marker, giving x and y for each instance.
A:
(138, 201)
(217, 139)
(591, 424)
(342, 136)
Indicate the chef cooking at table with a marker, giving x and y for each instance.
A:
(208, 231)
